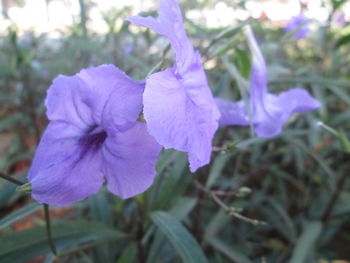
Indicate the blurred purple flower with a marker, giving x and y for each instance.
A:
(128, 49)
(93, 134)
(178, 105)
(338, 18)
(299, 25)
(45, 72)
(268, 111)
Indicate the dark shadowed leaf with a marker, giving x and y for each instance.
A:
(183, 242)
(19, 214)
(306, 242)
(230, 252)
(33, 241)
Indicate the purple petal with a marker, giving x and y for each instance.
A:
(93, 96)
(297, 100)
(170, 25)
(302, 33)
(258, 76)
(300, 25)
(95, 106)
(232, 113)
(338, 18)
(129, 161)
(279, 108)
(266, 114)
(269, 112)
(63, 171)
(65, 101)
(112, 95)
(178, 105)
(149, 22)
(295, 22)
(258, 87)
(181, 113)
(268, 120)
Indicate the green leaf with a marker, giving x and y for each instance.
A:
(129, 254)
(225, 48)
(183, 207)
(229, 251)
(159, 248)
(319, 159)
(281, 219)
(3, 96)
(230, 31)
(101, 211)
(344, 141)
(306, 242)
(342, 206)
(171, 186)
(183, 242)
(243, 61)
(243, 86)
(337, 4)
(165, 158)
(329, 82)
(217, 167)
(341, 93)
(30, 243)
(11, 120)
(19, 214)
(342, 41)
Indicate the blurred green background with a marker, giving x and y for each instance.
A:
(285, 199)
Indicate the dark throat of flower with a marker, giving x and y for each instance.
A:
(92, 140)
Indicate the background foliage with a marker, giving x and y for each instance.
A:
(280, 200)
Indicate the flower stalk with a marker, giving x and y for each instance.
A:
(46, 212)
(48, 230)
(11, 179)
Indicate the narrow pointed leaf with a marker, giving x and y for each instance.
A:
(19, 214)
(306, 242)
(183, 242)
(33, 241)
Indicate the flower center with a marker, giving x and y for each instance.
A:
(92, 140)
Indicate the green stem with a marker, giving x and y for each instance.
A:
(11, 179)
(46, 210)
(334, 198)
(48, 230)
(83, 17)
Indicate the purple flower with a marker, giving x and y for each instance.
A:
(128, 49)
(338, 18)
(268, 111)
(299, 25)
(93, 135)
(178, 105)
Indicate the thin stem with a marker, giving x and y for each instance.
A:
(83, 17)
(46, 210)
(11, 179)
(160, 64)
(140, 234)
(328, 128)
(231, 211)
(334, 198)
(48, 229)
